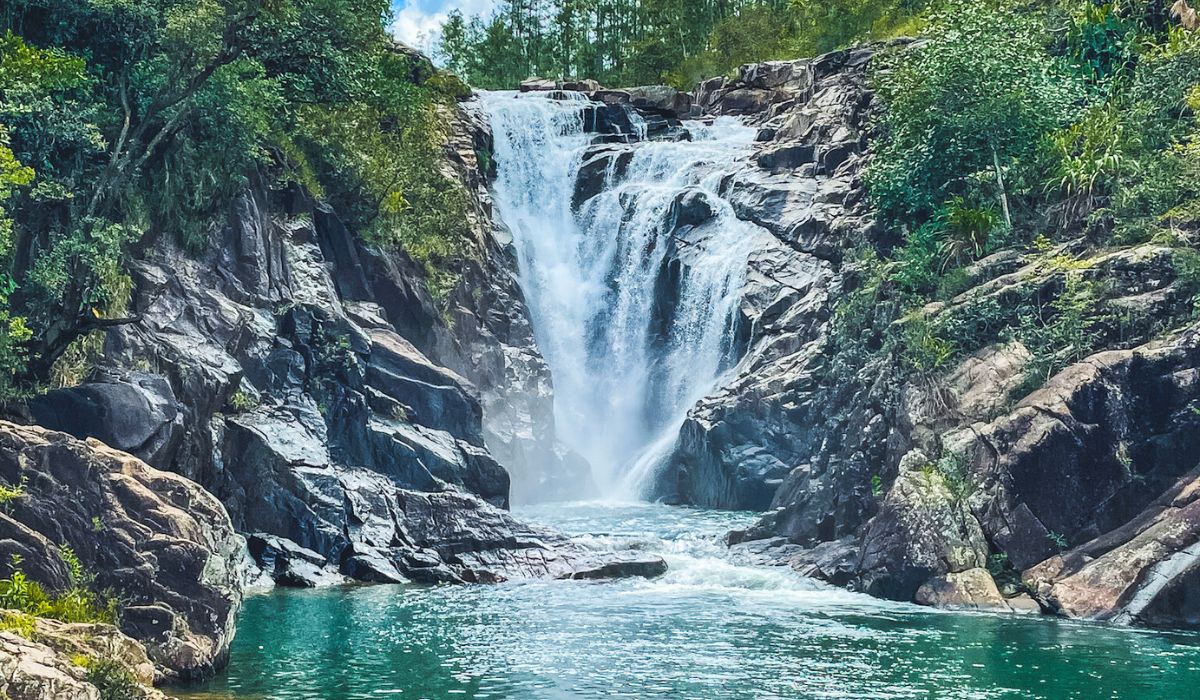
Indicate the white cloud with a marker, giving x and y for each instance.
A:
(418, 22)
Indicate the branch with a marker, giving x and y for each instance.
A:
(96, 324)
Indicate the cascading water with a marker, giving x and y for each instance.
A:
(625, 371)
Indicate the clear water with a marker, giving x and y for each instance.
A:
(624, 376)
(708, 629)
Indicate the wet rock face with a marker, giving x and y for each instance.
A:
(802, 187)
(161, 542)
(943, 489)
(309, 381)
(651, 112)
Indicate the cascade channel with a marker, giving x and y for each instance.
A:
(636, 308)
(636, 323)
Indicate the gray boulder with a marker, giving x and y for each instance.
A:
(163, 543)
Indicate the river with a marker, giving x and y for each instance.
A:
(707, 629)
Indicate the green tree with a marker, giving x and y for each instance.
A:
(968, 110)
(179, 105)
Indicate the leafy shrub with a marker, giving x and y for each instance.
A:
(19, 623)
(8, 494)
(967, 232)
(242, 401)
(924, 349)
(1063, 332)
(1090, 160)
(1102, 41)
(79, 603)
(113, 680)
(965, 107)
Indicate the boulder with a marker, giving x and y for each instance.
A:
(290, 565)
(133, 412)
(53, 664)
(661, 98)
(1146, 571)
(586, 86)
(162, 543)
(972, 589)
(923, 529)
(601, 165)
(538, 85)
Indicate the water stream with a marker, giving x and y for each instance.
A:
(708, 629)
(625, 369)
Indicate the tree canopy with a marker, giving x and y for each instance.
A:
(626, 42)
(125, 120)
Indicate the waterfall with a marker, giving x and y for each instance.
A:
(626, 370)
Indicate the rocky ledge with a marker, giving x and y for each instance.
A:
(651, 112)
(164, 546)
(78, 661)
(960, 489)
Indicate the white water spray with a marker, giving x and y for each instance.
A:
(625, 370)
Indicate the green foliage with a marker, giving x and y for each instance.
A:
(1102, 40)
(19, 623)
(923, 347)
(637, 42)
(824, 26)
(1090, 160)
(124, 121)
(242, 401)
(113, 680)
(79, 603)
(967, 232)
(8, 494)
(1064, 331)
(957, 235)
(969, 102)
(14, 332)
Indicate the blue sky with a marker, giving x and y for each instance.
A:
(417, 21)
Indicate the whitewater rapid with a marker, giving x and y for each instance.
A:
(625, 371)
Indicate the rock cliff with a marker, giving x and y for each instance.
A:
(960, 488)
(295, 385)
(163, 545)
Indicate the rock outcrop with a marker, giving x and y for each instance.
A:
(161, 543)
(959, 488)
(803, 187)
(309, 381)
(60, 660)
